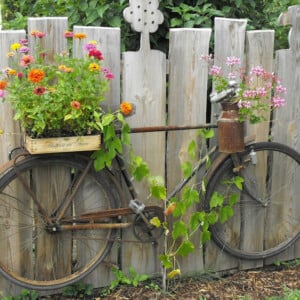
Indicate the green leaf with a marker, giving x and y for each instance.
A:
(179, 229)
(207, 133)
(238, 181)
(197, 219)
(225, 213)
(185, 248)
(187, 169)
(233, 199)
(205, 236)
(165, 260)
(192, 149)
(216, 200)
(190, 196)
(107, 119)
(155, 221)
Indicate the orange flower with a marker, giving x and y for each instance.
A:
(75, 104)
(126, 108)
(3, 84)
(79, 36)
(36, 75)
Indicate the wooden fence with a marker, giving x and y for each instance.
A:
(143, 80)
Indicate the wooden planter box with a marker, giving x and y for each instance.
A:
(62, 144)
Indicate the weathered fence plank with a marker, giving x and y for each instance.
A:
(187, 105)
(287, 123)
(229, 41)
(259, 52)
(12, 136)
(109, 43)
(144, 84)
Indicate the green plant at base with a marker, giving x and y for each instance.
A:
(25, 295)
(79, 290)
(121, 278)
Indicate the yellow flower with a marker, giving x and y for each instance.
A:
(64, 68)
(15, 46)
(94, 67)
(174, 273)
(1, 131)
(93, 42)
(11, 72)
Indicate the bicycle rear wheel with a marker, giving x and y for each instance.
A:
(39, 256)
(266, 218)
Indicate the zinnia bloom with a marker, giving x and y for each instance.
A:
(39, 90)
(64, 68)
(109, 75)
(68, 34)
(3, 84)
(38, 34)
(36, 75)
(75, 104)
(96, 53)
(15, 46)
(26, 60)
(126, 108)
(79, 36)
(94, 67)
(2, 93)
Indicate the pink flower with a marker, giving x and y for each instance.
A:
(278, 101)
(261, 91)
(109, 75)
(232, 61)
(26, 60)
(280, 89)
(2, 93)
(96, 53)
(215, 70)
(68, 34)
(249, 94)
(244, 104)
(89, 47)
(24, 49)
(258, 71)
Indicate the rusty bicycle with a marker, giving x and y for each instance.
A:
(62, 217)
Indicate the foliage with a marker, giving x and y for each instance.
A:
(178, 229)
(25, 295)
(258, 93)
(79, 290)
(177, 13)
(132, 279)
(62, 86)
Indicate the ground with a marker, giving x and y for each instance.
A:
(255, 284)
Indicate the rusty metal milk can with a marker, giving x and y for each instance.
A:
(230, 129)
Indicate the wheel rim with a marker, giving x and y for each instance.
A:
(35, 256)
(260, 230)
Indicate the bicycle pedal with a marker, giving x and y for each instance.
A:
(137, 206)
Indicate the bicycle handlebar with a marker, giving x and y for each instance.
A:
(229, 93)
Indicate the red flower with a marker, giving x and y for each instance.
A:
(75, 104)
(96, 53)
(39, 90)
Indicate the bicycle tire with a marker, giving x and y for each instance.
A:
(36, 257)
(258, 230)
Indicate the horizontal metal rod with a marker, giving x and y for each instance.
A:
(170, 128)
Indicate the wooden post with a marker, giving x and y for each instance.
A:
(187, 105)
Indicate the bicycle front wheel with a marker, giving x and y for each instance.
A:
(35, 252)
(265, 218)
